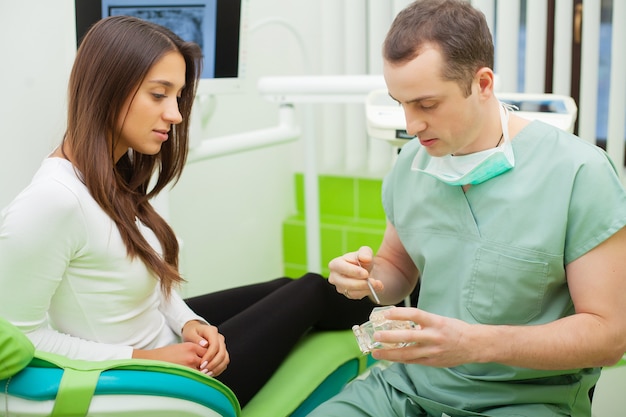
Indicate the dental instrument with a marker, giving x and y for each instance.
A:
(369, 284)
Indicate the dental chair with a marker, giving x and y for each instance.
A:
(52, 385)
(37, 384)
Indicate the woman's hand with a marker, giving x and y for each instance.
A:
(215, 359)
(187, 354)
(203, 348)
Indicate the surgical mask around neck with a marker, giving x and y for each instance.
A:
(477, 167)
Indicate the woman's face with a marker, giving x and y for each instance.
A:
(147, 117)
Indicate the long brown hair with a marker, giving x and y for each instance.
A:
(112, 60)
(455, 27)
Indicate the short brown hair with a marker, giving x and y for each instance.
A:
(457, 29)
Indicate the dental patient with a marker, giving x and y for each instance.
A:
(89, 269)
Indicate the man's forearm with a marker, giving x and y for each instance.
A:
(578, 341)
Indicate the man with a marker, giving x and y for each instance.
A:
(514, 228)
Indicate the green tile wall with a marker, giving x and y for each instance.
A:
(351, 215)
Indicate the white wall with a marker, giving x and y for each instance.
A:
(37, 44)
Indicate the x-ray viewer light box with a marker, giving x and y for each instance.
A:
(218, 26)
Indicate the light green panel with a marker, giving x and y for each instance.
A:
(336, 196)
(359, 198)
(294, 241)
(294, 271)
(364, 237)
(369, 203)
(333, 241)
(299, 184)
(351, 215)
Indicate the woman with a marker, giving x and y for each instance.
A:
(88, 268)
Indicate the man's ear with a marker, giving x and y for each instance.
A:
(485, 81)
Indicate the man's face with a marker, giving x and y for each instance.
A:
(436, 110)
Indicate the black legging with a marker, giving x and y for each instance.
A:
(262, 322)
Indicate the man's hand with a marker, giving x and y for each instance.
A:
(436, 341)
(350, 274)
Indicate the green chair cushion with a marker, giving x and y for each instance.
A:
(317, 368)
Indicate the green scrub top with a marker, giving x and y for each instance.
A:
(495, 254)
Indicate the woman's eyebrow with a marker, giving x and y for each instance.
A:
(165, 83)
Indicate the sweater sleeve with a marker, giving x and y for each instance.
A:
(177, 312)
(40, 232)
